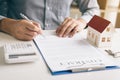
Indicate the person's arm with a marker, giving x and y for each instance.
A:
(71, 26)
(89, 8)
(20, 29)
(3, 10)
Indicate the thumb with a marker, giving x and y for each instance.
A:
(36, 24)
(39, 26)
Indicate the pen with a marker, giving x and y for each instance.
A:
(25, 17)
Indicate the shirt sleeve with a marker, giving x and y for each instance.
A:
(3, 9)
(88, 8)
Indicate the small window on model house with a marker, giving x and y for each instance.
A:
(92, 35)
(108, 29)
(108, 39)
(89, 33)
(103, 39)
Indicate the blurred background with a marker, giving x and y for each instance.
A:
(110, 10)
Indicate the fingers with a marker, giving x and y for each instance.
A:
(65, 28)
(29, 36)
(25, 37)
(62, 25)
(75, 30)
(68, 28)
(35, 27)
(24, 34)
(25, 30)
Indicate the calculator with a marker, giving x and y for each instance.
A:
(20, 52)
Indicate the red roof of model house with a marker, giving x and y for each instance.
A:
(98, 23)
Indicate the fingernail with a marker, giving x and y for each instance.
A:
(70, 36)
(64, 35)
(60, 35)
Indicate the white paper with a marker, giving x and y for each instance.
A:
(68, 53)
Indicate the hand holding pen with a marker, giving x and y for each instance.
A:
(36, 29)
(22, 29)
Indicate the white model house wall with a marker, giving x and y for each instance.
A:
(92, 35)
(98, 39)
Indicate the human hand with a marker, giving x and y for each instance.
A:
(21, 29)
(70, 27)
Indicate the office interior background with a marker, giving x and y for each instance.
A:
(110, 10)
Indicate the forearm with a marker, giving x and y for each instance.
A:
(1, 18)
(89, 14)
(3, 11)
(83, 23)
(0, 25)
(89, 8)
(5, 25)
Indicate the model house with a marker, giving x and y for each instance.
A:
(100, 32)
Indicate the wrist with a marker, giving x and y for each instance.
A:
(83, 23)
(6, 24)
(1, 24)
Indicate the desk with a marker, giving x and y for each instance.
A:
(38, 70)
